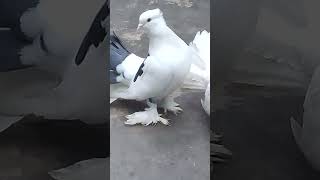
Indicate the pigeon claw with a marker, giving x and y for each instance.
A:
(176, 110)
(173, 108)
(164, 121)
(148, 117)
(168, 104)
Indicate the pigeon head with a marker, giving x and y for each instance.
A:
(151, 19)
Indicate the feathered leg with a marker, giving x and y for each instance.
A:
(147, 117)
(168, 104)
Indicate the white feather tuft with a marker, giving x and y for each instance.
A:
(198, 79)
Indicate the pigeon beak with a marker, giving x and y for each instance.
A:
(139, 27)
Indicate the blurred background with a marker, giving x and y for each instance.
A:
(264, 57)
(32, 147)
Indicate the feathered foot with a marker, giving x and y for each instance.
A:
(147, 117)
(169, 104)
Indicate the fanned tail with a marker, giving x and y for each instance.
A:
(198, 78)
(201, 45)
(194, 82)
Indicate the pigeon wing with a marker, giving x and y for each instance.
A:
(151, 80)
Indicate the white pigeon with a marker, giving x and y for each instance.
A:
(43, 93)
(124, 66)
(162, 72)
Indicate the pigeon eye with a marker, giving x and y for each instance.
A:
(149, 19)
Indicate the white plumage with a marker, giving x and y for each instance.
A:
(196, 80)
(201, 77)
(129, 68)
(162, 72)
(206, 102)
(198, 76)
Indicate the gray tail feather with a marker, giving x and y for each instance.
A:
(118, 53)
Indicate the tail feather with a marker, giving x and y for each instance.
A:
(118, 52)
(199, 75)
(202, 42)
(201, 45)
(194, 82)
(206, 102)
(197, 60)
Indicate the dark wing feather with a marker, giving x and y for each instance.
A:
(140, 70)
(95, 35)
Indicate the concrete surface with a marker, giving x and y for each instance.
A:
(176, 152)
(185, 17)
